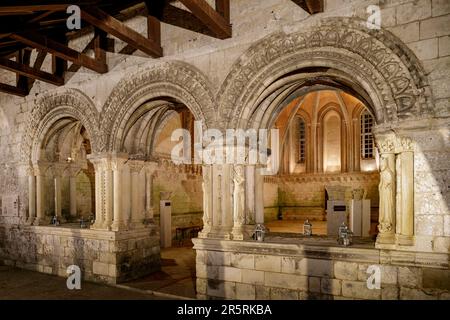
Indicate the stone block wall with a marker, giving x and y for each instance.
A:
(250, 270)
(103, 256)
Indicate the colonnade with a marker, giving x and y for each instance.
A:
(36, 190)
(123, 191)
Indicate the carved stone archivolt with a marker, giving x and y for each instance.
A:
(56, 105)
(174, 79)
(387, 70)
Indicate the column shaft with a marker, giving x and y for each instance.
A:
(57, 196)
(407, 199)
(31, 198)
(73, 195)
(39, 199)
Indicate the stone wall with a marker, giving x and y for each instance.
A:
(103, 256)
(295, 270)
(185, 183)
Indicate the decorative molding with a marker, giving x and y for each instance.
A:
(386, 66)
(174, 79)
(53, 106)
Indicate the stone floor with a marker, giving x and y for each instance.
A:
(28, 285)
(177, 276)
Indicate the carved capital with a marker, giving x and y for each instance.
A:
(386, 144)
(406, 144)
(136, 165)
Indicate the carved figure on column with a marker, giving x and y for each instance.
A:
(206, 185)
(239, 195)
(387, 192)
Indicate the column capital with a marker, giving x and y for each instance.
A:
(386, 143)
(117, 163)
(72, 170)
(405, 144)
(40, 168)
(136, 165)
(150, 166)
(58, 168)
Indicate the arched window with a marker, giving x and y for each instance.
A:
(301, 140)
(367, 144)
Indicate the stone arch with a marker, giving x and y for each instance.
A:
(70, 103)
(174, 80)
(338, 52)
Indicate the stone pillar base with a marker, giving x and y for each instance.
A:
(216, 233)
(403, 240)
(119, 226)
(30, 221)
(98, 226)
(244, 232)
(385, 241)
(38, 222)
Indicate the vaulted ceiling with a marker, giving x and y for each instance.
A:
(41, 25)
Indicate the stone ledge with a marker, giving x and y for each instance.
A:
(345, 254)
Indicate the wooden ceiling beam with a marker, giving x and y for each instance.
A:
(186, 20)
(6, 88)
(111, 25)
(38, 62)
(223, 8)
(210, 17)
(30, 72)
(310, 6)
(38, 41)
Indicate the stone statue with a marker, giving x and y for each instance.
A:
(386, 190)
(206, 185)
(239, 195)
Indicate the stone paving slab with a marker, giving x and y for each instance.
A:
(28, 285)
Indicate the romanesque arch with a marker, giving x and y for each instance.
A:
(339, 52)
(174, 80)
(70, 103)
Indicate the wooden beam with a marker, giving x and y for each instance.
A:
(38, 62)
(118, 29)
(27, 71)
(154, 29)
(310, 6)
(22, 81)
(59, 65)
(100, 45)
(223, 8)
(43, 43)
(32, 8)
(186, 20)
(6, 88)
(211, 18)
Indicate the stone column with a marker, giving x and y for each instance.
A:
(58, 169)
(150, 168)
(387, 188)
(103, 191)
(222, 203)
(259, 196)
(207, 201)
(137, 206)
(117, 168)
(31, 196)
(406, 157)
(73, 172)
(239, 207)
(39, 172)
